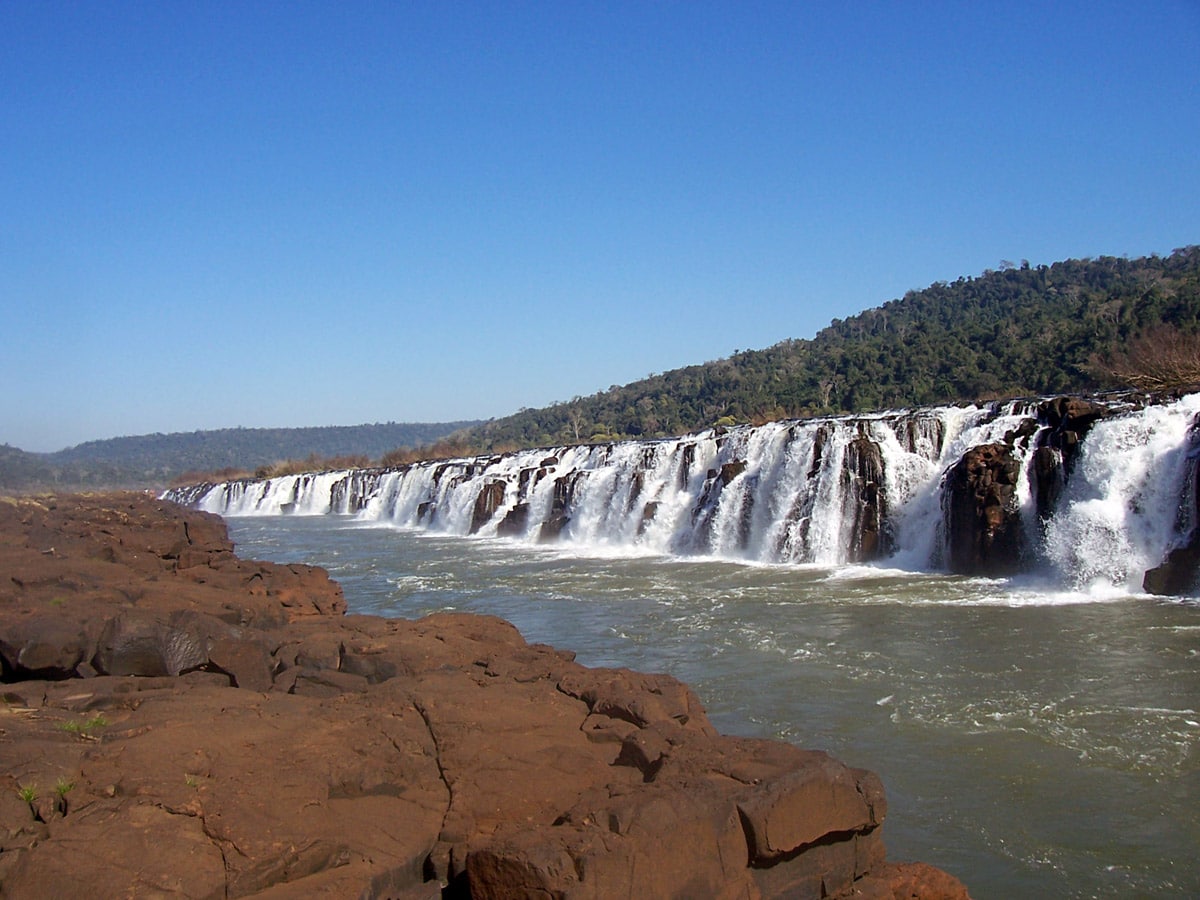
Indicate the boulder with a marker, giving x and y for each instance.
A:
(980, 518)
(864, 469)
(644, 843)
(820, 800)
(731, 470)
(560, 507)
(807, 825)
(490, 499)
(515, 521)
(139, 643)
(636, 698)
(44, 647)
(245, 658)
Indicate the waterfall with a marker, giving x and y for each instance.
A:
(1090, 491)
(1125, 505)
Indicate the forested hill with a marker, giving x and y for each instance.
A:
(155, 459)
(1023, 330)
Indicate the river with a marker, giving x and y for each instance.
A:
(1035, 741)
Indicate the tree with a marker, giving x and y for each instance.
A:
(1159, 359)
(576, 417)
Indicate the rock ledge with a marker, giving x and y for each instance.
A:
(178, 721)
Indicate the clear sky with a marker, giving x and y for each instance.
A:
(284, 214)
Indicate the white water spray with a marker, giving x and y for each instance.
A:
(785, 492)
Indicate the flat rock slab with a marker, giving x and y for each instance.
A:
(180, 722)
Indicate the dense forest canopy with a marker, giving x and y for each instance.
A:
(1018, 331)
(1074, 326)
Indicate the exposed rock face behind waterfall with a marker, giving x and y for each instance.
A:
(1056, 486)
(864, 471)
(1179, 571)
(1067, 420)
(489, 500)
(981, 515)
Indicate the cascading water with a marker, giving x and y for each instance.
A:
(1101, 505)
(1124, 506)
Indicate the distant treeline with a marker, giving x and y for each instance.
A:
(1021, 330)
(158, 459)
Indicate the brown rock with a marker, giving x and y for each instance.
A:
(136, 642)
(864, 467)
(44, 646)
(804, 806)
(1067, 421)
(980, 516)
(244, 658)
(636, 698)
(490, 499)
(152, 841)
(731, 470)
(240, 736)
(645, 844)
(560, 508)
(911, 881)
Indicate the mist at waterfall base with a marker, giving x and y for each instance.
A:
(1037, 735)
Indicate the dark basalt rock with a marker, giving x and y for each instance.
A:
(704, 512)
(732, 470)
(44, 647)
(515, 521)
(649, 511)
(1068, 420)
(864, 470)
(980, 518)
(1179, 572)
(138, 643)
(560, 507)
(490, 499)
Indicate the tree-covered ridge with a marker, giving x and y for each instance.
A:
(1019, 331)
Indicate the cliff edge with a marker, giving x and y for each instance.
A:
(178, 721)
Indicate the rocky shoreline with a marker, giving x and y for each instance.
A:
(178, 721)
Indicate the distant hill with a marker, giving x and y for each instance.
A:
(1023, 330)
(155, 459)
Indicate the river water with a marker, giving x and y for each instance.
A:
(1033, 742)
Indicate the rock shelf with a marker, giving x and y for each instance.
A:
(181, 722)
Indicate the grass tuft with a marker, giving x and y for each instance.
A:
(85, 728)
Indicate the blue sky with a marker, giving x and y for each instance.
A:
(286, 214)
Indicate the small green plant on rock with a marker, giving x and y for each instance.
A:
(62, 787)
(84, 729)
(28, 793)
